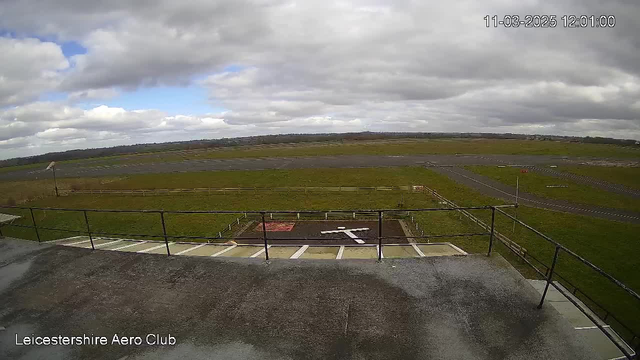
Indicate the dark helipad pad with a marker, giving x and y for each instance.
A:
(310, 232)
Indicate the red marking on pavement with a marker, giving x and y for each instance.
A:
(276, 226)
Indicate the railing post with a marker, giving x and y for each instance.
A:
(379, 235)
(550, 277)
(164, 231)
(264, 236)
(35, 227)
(86, 221)
(493, 224)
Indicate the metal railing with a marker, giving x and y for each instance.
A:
(551, 271)
(172, 191)
(378, 214)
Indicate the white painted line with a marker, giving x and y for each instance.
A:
(77, 242)
(417, 249)
(109, 243)
(151, 248)
(300, 251)
(342, 230)
(259, 252)
(190, 249)
(590, 327)
(224, 251)
(348, 232)
(457, 248)
(130, 245)
(340, 252)
(69, 238)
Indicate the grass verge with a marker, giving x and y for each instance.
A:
(627, 176)
(537, 184)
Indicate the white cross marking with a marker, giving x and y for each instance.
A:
(348, 232)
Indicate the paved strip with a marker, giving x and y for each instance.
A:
(321, 252)
(489, 187)
(301, 251)
(260, 252)
(343, 161)
(358, 252)
(77, 242)
(190, 249)
(69, 239)
(588, 180)
(417, 249)
(128, 246)
(224, 251)
(142, 246)
(460, 250)
(151, 249)
(109, 243)
(438, 250)
(402, 251)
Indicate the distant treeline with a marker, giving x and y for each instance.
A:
(282, 139)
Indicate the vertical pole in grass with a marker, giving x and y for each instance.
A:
(55, 182)
(493, 222)
(379, 235)
(35, 227)
(164, 231)
(264, 236)
(86, 221)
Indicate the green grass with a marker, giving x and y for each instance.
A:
(378, 147)
(20, 191)
(23, 167)
(535, 183)
(611, 245)
(400, 147)
(273, 178)
(628, 176)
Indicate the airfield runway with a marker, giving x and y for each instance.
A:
(499, 190)
(448, 165)
(80, 169)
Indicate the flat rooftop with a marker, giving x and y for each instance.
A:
(450, 307)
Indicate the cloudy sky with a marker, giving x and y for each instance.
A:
(85, 73)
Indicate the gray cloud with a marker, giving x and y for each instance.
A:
(321, 66)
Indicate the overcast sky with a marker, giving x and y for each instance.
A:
(85, 73)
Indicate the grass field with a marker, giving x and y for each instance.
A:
(378, 147)
(535, 183)
(20, 191)
(399, 147)
(611, 245)
(627, 176)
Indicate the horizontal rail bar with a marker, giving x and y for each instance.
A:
(583, 260)
(586, 313)
(486, 207)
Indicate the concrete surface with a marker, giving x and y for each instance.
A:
(345, 161)
(468, 307)
(583, 326)
(352, 251)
